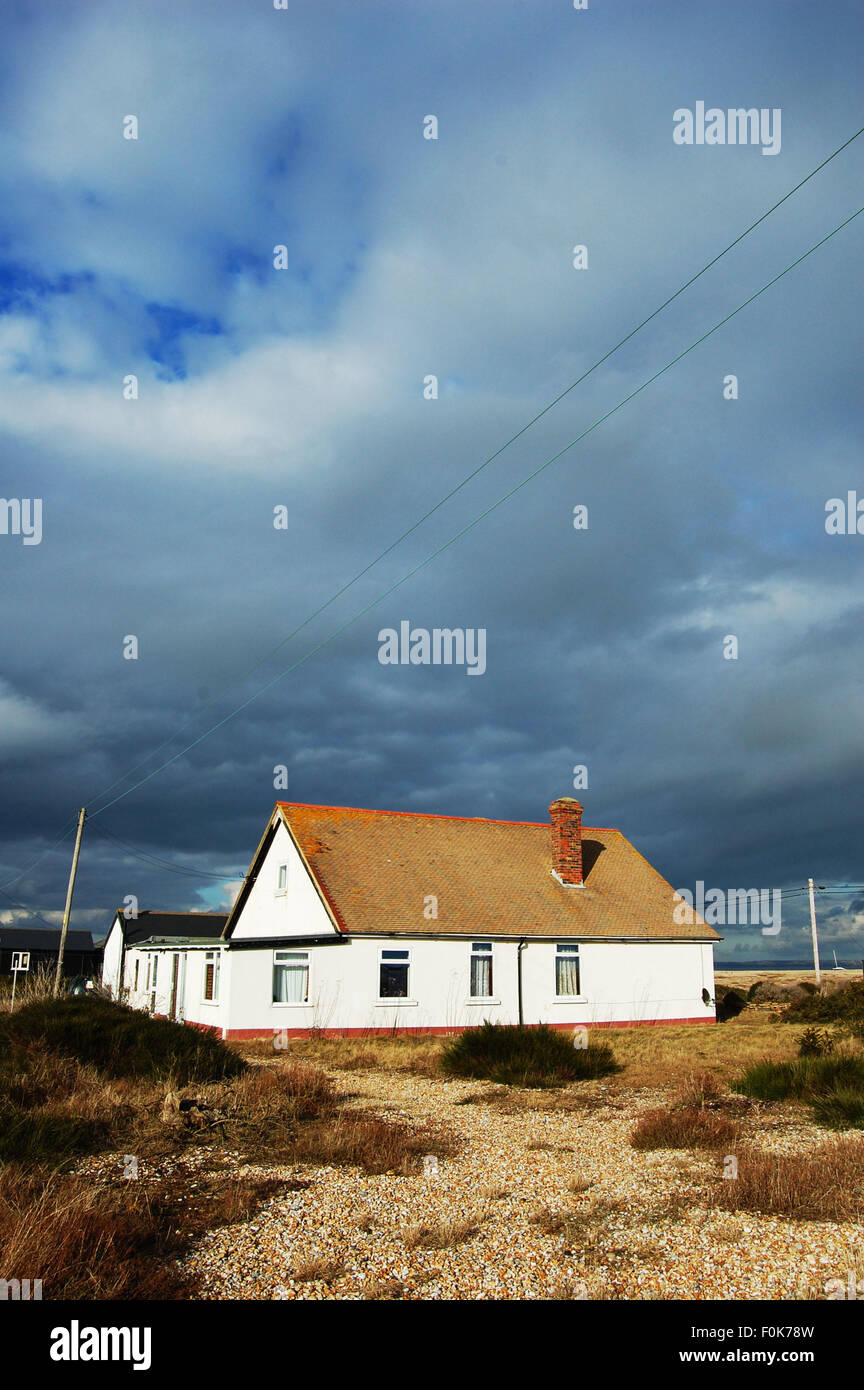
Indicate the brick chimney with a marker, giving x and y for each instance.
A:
(566, 816)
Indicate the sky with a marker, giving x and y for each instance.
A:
(301, 393)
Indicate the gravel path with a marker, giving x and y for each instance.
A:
(642, 1225)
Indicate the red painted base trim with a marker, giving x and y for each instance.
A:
(238, 1034)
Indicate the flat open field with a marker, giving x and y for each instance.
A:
(546, 1198)
(743, 979)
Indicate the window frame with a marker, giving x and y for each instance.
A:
(291, 1003)
(404, 959)
(567, 950)
(281, 889)
(214, 957)
(481, 950)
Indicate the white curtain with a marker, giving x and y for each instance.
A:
(566, 974)
(481, 977)
(290, 981)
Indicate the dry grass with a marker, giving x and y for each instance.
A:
(583, 1227)
(383, 1290)
(550, 1222)
(662, 1056)
(685, 1128)
(112, 1241)
(702, 1089)
(118, 1238)
(494, 1192)
(356, 1137)
(35, 984)
(318, 1271)
(443, 1235)
(825, 1184)
(727, 1231)
(410, 1053)
(568, 1290)
(743, 979)
(509, 1100)
(652, 1056)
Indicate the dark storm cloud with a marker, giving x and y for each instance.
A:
(303, 388)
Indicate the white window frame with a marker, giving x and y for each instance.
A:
(291, 1003)
(404, 958)
(567, 949)
(216, 958)
(482, 950)
(152, 987)
(281, 888)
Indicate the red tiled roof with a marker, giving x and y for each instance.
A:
(376, 869)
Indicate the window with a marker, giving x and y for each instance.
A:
(566, 970)
(211, 977)
(393, 983)
(135, 984)
(282, 879)
(481, 970)
(290, 977)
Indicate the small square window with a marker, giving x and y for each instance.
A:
(481, 970)
(567, 981)
(393, 978)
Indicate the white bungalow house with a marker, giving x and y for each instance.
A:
(359, 921)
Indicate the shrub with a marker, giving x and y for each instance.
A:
(827, 1184)
(839, 1108)
(729, 1003)
(120, 1041)
(843, 1005)
(685, 1128)
(815, 1042)
(516, 1055)
(802, 1079)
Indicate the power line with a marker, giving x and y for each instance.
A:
(159, 863)
(482, 515)
(21, 908)
(64, 834)
(475, 472)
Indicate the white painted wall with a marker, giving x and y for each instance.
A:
(112, 955)
(627, 982)
(296, 912)
(195, 1008)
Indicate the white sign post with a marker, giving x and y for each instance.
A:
(20, 961)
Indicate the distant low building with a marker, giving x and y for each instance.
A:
(176, 933)
(81, 956)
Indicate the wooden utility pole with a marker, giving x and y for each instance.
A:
(67, 911)
(813, 931)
